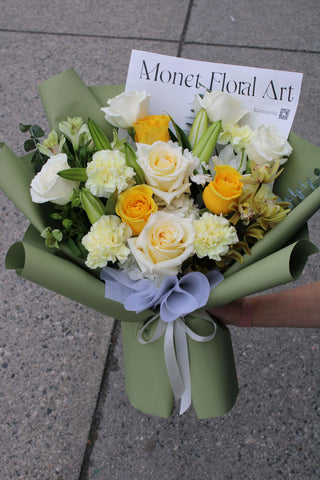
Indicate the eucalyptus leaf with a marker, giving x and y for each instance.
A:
(29, 145)
(24, 128)
(37, 131)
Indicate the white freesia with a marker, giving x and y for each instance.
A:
(167, 168)
(108, 172)
(48, 186)
(201, 178)
(220, 106)
(183, 206)
(125, 109)
(268, 145)
(228, 157)
(164, 244)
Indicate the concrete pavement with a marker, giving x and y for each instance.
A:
(64, 413)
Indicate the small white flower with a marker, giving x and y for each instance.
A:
(125, 109)
(228, 157)
(183, 207)
(48, 186)
(76, 131)
(108, 172)
(201, 178)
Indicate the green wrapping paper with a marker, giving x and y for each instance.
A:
(278, 258)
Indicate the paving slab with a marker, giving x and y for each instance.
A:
(133, 18)
(266, 24)
(52, 350)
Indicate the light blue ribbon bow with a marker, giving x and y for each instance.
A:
(176, 298)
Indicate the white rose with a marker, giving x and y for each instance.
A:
(220, 106)
(125, 109)
(47, 186)
(267, 146)
(166, 168)
(164, 244)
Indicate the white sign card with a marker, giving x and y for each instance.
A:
(271, 96)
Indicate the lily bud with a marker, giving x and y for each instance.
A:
(76, 174)
(92, 205)
(205, 146)
(198, 128)
(99, 138)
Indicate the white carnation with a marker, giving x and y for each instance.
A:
(214, 235)
(108, 172)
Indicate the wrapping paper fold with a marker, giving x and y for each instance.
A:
(278, 258)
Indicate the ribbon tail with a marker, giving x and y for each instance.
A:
(183, 362)
(173, 369)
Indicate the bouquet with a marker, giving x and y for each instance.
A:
(141, 221)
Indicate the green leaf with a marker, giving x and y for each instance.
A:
(24, 128)
(57, 234)
(181, 136)
(56, 216)
(37, 131)
(67, 223)
(172, 136)
(29, 145)
(99, 138)
(131, 161)
(75, 202)
(111, 204)
(76, 174)
(85, 153)
(74, 248)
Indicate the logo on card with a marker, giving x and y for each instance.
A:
(284, 114)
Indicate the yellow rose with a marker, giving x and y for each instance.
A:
(152, 128)
(225, 189)
(135, 205)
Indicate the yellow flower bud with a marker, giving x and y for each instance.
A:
(152, 128)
